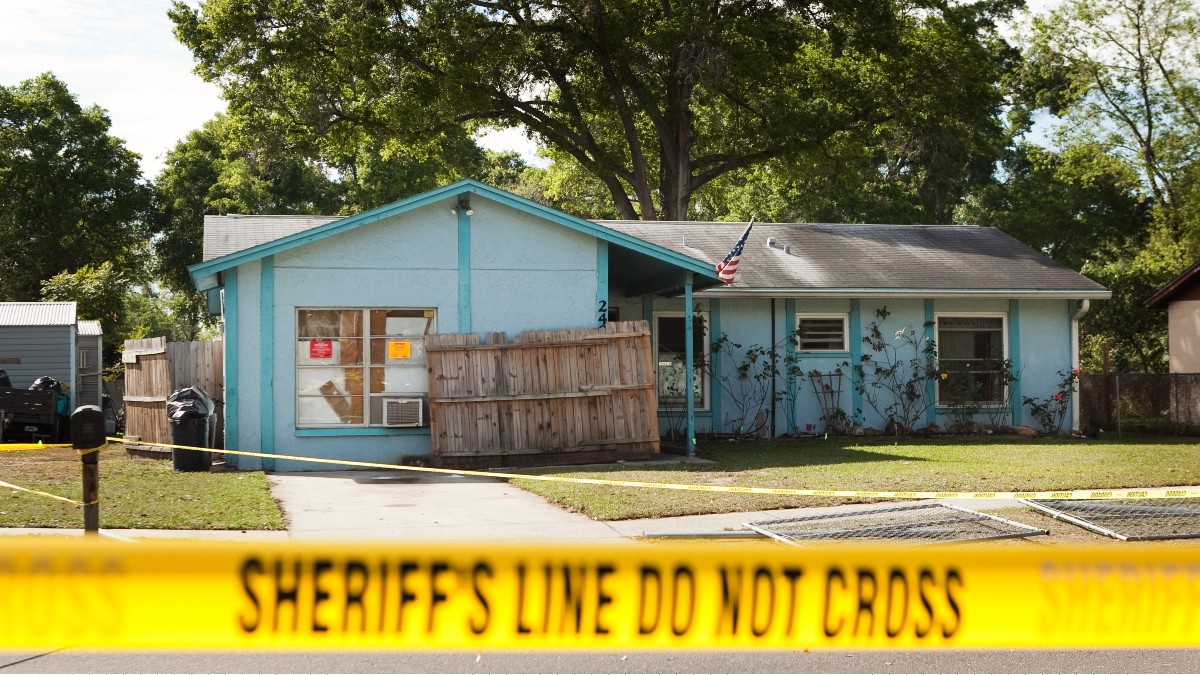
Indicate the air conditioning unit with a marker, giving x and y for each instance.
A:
(403, 412)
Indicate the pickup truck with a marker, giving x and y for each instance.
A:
(28, 412)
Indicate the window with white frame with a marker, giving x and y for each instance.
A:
(971, 353)
(670, 359)
(348, 361)
(822, 332)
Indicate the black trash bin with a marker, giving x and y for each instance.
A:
(190, 412)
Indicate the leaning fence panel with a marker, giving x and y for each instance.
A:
(1128, 520)
(921, 522)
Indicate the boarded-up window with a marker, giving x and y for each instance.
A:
(349, 360)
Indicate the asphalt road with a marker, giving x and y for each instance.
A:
(816, 661)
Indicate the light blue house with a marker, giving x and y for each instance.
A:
(303, 296)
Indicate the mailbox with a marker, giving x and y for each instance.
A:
(87, 427)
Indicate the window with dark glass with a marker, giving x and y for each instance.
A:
(821, 332)
(971, 354)
(670, 359)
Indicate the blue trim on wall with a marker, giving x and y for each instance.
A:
(464, 271)
(231, 365)
(266, 351)
(789, 355)
(689, 374)
(602, 279)
(714, 404)
(362, 431)
(855, 360)
(1014, 353)
(927, 331)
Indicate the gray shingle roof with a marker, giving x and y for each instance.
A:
(229, 234)
(37, 313)
(865, 257)
(821, 257)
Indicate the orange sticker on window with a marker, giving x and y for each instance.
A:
(399, 350)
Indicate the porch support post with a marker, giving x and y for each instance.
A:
(689, 376)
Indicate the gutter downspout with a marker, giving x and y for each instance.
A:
(1084, 306)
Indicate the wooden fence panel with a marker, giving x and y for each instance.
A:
(154, 368)
(549, 394)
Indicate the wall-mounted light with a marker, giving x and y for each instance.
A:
(464, 205)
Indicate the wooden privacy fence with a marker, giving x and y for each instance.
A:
(550, 396)
(154, 368)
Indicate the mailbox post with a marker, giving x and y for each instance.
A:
(87, 435)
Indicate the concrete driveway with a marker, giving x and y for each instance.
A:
(385, 506)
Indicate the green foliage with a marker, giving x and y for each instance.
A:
(935, 145)
(99, 293)
(653, 101)
(236, 164)
(1123, 76)
(218, 170)
(892, 377)
(751, 386)
(1117, 198)
(71, 195)
(960, 391)
(1051, 412)
(1121, 333)
(1068, 204)
(135, 493)
(1050, 463)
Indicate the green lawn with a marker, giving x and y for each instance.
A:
(877, 464)
(134, 493)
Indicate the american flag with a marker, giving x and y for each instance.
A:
(727, 268)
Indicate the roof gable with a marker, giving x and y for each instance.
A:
(321, 231)
(1180, 285)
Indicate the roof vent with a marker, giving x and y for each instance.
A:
(771, 242)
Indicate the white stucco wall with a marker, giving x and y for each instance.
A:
(1183, 325)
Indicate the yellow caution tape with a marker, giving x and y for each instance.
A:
(79, 593)
(1129, 493)
(6, 447)
(43, 494)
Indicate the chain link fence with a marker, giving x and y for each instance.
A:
(1165, 403)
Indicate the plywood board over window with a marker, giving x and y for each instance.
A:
(550, 397)
(349, 362)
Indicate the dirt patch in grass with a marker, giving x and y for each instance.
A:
(134, 493)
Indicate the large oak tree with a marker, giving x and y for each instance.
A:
(654, 98)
